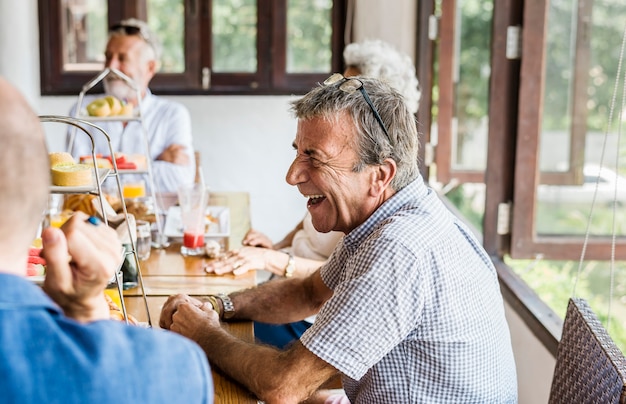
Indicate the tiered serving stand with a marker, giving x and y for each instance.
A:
(82, 124)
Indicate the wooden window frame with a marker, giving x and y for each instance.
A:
(270, 78)
(443, 152)
(525, 243)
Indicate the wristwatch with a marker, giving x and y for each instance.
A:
(228, 308)
(291, 266)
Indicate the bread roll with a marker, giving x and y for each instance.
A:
(71, 175)
(60, 158)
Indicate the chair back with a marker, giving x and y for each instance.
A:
(590, 368)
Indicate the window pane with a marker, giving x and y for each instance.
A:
(234, 36)
(589, 62)
(554, 283)
(84, 28)
(309, 33)
(167, 19)
(472, 72)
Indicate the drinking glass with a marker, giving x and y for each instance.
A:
(134, 189)
(144, 239)
(193, 200)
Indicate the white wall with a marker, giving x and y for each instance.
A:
(534, 363)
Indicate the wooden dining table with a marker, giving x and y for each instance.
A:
(166, 272)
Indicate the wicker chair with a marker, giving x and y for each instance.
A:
(589, 367)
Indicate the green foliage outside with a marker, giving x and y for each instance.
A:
(608, 18)
(309, 32)
(167, 19)
(553, 281)
(234, 36)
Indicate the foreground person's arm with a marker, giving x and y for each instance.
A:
(77, 286)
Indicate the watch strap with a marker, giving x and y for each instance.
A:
(228, 308)
(291, 266)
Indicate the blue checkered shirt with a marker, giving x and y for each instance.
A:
(416, 315)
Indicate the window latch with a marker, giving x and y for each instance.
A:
(206, 78)
(514, 42)
(504, 218)
(433, 27)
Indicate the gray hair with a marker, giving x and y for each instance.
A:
(375, 58)
(373, 145)
(154, 49)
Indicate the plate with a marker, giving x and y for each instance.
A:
(221, 228)
(102, 172)
(36, 279)
(137, 171)
(114, 118)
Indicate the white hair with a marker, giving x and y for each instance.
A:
(378, 59)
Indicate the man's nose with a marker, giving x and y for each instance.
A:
(113, 63)
(296, 173)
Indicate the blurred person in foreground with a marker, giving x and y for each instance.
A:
(303, 250)
(60, 346)
(135, 50)
(409, 304)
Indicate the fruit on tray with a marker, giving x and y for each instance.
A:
(114, 104)
(101, 162)
(99, 108)
(36, 265)
(109, 106)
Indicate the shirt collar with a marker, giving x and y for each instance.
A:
(412, 192)
(147, 100)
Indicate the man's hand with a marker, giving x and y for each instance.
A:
(175, 154)
(77, 283)
(171, 306)
(193, 322)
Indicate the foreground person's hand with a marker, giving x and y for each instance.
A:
(171, 306)
(77, 285)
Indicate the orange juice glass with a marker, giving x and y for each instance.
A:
(134, 189)
(57, 219)
(114, 294)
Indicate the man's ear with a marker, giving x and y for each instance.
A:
(152, 68)
(382, 175)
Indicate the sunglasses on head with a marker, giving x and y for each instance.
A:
(128, 29)
(350, 85)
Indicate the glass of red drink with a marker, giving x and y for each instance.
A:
(193, 200)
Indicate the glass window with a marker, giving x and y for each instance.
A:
(582, 46)
(471, 78)
(234, 36)
(84, 27)
(463, 90)
(309, 34)
(209, 47)
(167, 18)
